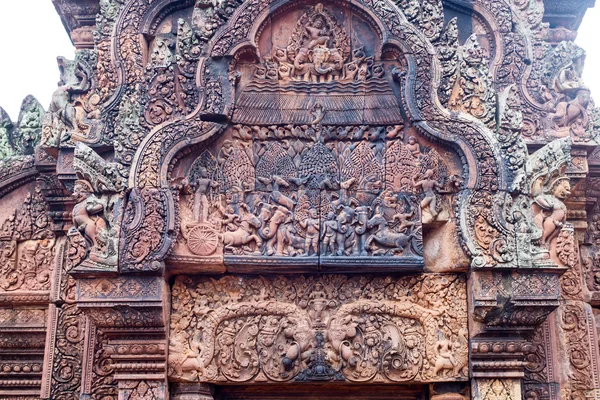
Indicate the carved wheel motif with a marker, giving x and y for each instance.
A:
(203, 240)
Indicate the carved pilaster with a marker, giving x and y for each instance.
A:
(542, 366)
(191, 391)
(130, 343)
(495, 389)
(577, 350)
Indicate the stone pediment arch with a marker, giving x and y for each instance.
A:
(484, 169)
(236, 197)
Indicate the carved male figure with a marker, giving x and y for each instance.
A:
(549, 211)
(345, 233)
(317, 33)
(428, 184)
(311, 224)
(329, 234)
(443, 351)
(202, 184)
(403, 220)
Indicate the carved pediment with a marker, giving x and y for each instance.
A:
(320, 76)
(319, 169)
(309, 198)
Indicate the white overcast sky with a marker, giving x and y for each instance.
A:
(32, 36)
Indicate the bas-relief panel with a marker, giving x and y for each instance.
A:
(26, 247)
(315, 196)
(319, 170)
(321, 328)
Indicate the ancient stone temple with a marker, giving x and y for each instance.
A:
(305, 199)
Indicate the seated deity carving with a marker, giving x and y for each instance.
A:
(318, 51)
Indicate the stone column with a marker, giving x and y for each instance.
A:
(191, 391)
(449, 391)
(130, 314)
(506, 309)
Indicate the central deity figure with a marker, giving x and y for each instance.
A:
(318, 32)
(318, 51)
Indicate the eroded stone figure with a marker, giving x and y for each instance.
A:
(88, 218)
(550, 212)
(311, 225)
(73, 113)
(201, 204)
(429, 186)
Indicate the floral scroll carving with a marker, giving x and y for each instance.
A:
(273, 137)
(334, 327)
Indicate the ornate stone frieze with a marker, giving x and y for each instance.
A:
(333, 327)
(274, 137)
(325, 196)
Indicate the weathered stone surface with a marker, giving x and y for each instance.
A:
(332, 328)
(230, 199)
